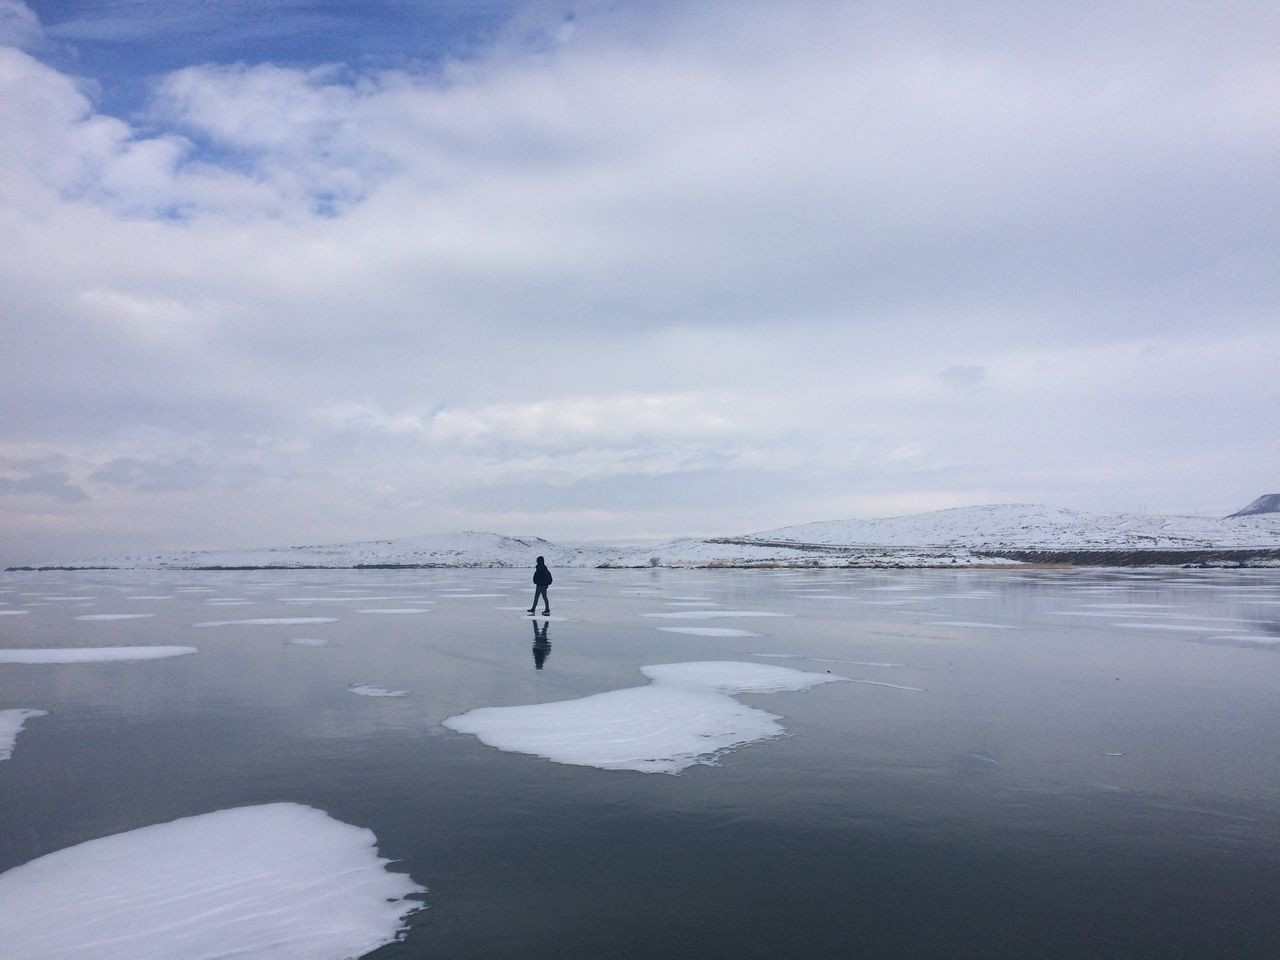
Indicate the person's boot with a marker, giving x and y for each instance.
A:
(546, 612)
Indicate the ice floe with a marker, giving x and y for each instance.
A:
(685, 716)
(710, 631)
(91, 654)
(114, 616)
(281, 880)
(367, 690)
(11, 722)
(712, 614)
(267, 621)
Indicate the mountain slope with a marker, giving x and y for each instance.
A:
(1267, 503)
(1027, 526)
(955, 536)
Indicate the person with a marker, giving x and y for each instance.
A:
(541, 644)
(541, 580)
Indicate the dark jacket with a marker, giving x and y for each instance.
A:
(542, 576)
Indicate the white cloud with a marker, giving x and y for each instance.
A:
(637, 252)
(19, 26)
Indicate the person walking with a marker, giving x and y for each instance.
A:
(541, 580)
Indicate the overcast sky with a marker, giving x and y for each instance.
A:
(301, 271)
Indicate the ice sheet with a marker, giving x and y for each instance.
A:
(283, 881)
(685, 716)
(11, 722)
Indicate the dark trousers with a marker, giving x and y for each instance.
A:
(540, 591)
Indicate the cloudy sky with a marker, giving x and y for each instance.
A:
(299, 271)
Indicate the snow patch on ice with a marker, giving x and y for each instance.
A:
(91, 654)
(13, 613)
(971, 624)
(685, 716)
(710, 631)
(281, 880)
(395, 610)
(881, 683)
(1245, 640)
(712, 614)
(367, 690)
(267, 621)
(307, 642)
(114, 616)
(11, 723)
(1172, 627)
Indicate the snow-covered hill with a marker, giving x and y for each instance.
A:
(964, 535)
(1267, 503)
(1028, 526)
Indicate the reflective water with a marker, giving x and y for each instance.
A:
(1033, 764)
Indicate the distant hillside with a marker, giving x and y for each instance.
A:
(1267, 503)
(964, 536)
(1028, 526)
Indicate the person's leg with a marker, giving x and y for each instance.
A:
(546, 604)
(537, 589)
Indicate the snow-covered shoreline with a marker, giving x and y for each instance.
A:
(963, 536)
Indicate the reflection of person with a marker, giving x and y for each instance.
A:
(541, 645)
(541, 580)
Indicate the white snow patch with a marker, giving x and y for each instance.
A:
(281, 881)
(712, 614)
(1179, 627)
(366, 690)
(881, 683)
(1240, 640)
(858, 663)
(11, 722)
(91, 654)
(395, 610)
(13, 613)
(267, 621)
(710, 631)
(114, 616)
(974, 624)
(307, 642)
(686, 716)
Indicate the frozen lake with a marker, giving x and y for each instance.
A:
(771, 763)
